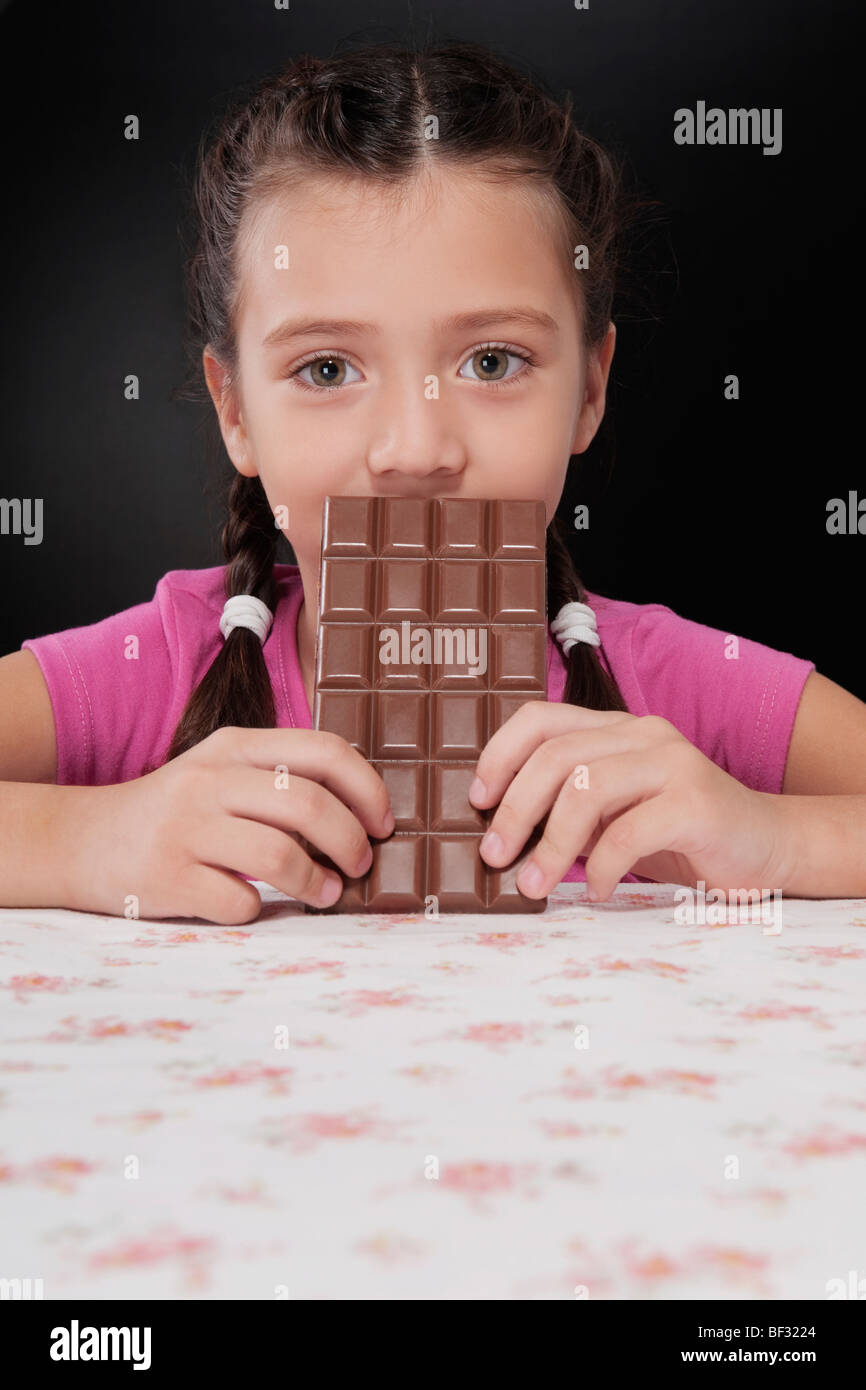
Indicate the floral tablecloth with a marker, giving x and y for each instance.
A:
(596, 1101)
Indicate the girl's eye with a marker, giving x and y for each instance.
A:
(328, 370)
(491, 364)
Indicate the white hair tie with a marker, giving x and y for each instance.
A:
(245, 610)
(575, 622)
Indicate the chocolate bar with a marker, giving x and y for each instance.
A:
(431, 633)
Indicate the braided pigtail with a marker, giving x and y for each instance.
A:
(237, 688)
(587, 682)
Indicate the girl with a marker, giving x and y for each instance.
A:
(387, 297)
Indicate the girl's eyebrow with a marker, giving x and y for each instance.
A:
(474, 319)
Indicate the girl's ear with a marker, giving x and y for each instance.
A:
(592, 410)
(229, 414)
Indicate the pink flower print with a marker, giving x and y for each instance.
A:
(690, 1082)
(821, 1144)
(222, 996)
(574, 970)
(626, 1081)
(649, 1269)
(504, 940)
(562, 1129)
(383, 998)
(167, 1028)
(806, 1012)
(574, 1086)
(737, 1265)
(479, 1177)
(194, 1253)
(98, 1028)
(427, 1071)
(59, 1172)
(732, 1258)
(391, 1247)
(453, 967)
(825, 955)
(339, 1126)
(49, 983)
(140, 1120)
(277, 1077)
(664, 968)
(772, 1198)
(108, 1028)
(686, 1082)
(253, 1192)
(332, 969)
(31, 1066)
(654, 1266)
(567, 1129)
(22, 986)
(496, 1033)
(725, 1044)
(187, 936)
(355, 1002)
(304, 1132)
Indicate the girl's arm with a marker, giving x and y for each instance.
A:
(41, 830)
(827, 751)
(823, 801)
(28, 746)
(39, 824)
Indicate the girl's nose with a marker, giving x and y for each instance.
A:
(414, 465)
(411, 434)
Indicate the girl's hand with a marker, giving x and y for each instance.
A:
(630, 793)
(171, 837)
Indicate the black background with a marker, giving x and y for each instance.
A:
(751, 266)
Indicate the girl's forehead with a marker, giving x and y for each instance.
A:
(322, 244)
(441, 201)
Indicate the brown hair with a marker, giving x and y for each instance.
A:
(364, 112)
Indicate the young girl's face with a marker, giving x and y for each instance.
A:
(452, 360)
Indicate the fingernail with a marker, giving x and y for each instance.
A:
(478, 791)
(491, 846)
(365, 861)
(530, 878)
(330, 891)
(388, 822)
